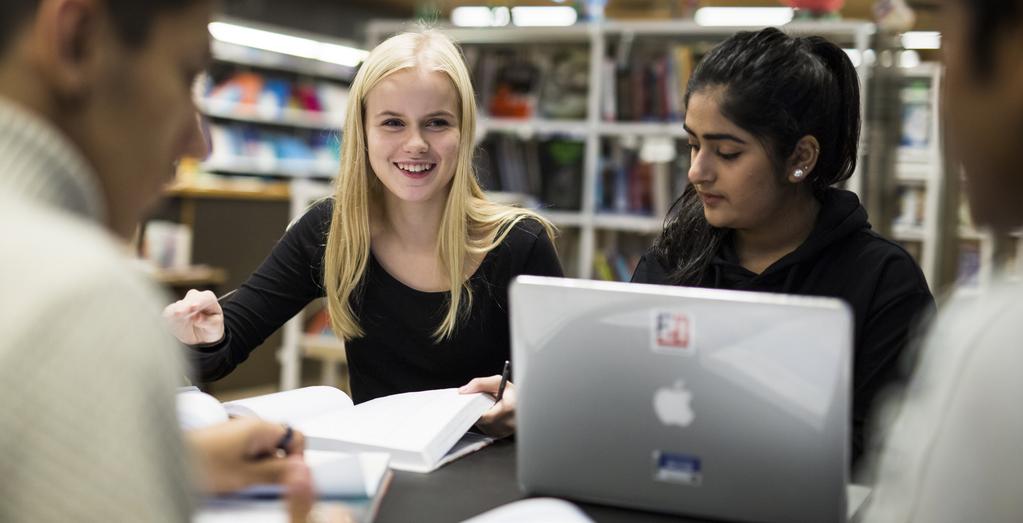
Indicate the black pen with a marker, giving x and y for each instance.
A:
(282, 445)
(504, 380)
(281, 449)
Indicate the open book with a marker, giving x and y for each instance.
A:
(420, 430)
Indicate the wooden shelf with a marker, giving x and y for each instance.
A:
(194, 276)
(228, 190)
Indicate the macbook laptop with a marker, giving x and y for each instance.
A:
(710, 403)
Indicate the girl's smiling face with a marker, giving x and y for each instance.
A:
(412, 134)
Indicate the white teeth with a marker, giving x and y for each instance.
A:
(415, 167)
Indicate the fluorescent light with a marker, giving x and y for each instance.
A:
(287, 44)
(743, 16)
(502, 16)
(548, 16)
(341, 54)
(921, 40)
(480, 16)
(472, 16)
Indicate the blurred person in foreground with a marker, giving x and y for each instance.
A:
(953, 453)
(95, 108)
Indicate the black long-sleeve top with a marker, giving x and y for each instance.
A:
(397, 353)
(842, 258)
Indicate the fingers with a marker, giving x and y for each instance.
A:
(269, 470)
(499, 420)
(193, 301)
(297, 445)
(489, 384)
(298, 485)
(263, 438)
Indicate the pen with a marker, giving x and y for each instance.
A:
(219, 300)
(281, 449)
(504, 380)
(289, 433)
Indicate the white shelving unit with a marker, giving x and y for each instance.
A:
(287, 117)
(855, 36)
(922, 168)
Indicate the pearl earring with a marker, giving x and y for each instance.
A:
(798, 173)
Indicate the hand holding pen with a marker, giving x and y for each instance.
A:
(499, 421)
(242, 452)
(197, 318)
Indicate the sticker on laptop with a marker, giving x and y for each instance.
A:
(672, 467)
(672, 333)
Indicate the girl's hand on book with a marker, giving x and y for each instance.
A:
(196, 319)
(499, 421)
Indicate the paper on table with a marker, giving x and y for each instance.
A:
(856, 497)
(548, 510)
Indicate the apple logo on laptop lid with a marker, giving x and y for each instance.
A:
(673, 405)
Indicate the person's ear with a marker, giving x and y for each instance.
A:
(68, 36)
(803, 159)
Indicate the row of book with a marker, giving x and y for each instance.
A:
(250, 92)
(614, 266)
(628, 185)
(232, 142)
(646, 83)
(639, 83)
(548, 169)
(912, 201)
(526, 81)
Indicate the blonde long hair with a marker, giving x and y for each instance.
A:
(471, 224)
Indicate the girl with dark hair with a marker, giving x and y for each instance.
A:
(773, 123)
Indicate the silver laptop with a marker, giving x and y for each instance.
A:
(721, 404)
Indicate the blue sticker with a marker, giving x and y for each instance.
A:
(684, 469)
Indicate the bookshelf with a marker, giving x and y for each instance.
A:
(931, 216)
(920, 168)
(594, 231)
(272, 114)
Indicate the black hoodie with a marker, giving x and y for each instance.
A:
(842, 258)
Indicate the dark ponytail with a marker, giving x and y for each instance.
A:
(778, 88)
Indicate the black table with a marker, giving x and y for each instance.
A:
(473, 485)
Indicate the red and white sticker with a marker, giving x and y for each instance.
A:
(672, 333)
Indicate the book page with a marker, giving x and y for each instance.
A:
(291, 406)
(469, 443)
(409, 421)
